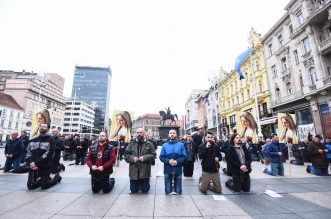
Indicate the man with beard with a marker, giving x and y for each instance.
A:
(26, 142)
(275, 153)
(81, 147)
(210, 155)
(59, 146)
(173, 155)
(139, 154)
(317, 152)
(13, 151)
(197, 139)
(39, 154)
(69, 144)
(100, 160)
(240, 163)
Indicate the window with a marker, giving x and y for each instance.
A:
(306, 45)
(301, 82)
(260, 86)
(248, 94)
(329, 72)
(277, 92)
(237, 100)
(270, 49)
(9, 124)
(16, 125)
(233, 120)
(284, 64)
(280, 41)
(300, 18)
(290, 29)
(242, 97)
(289, 88)
(296, 57)
(264, 108)
(274, 71)
(313, 75)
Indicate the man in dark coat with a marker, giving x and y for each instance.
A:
(198, 140)
(13, 150)
(139, 154)
(275, 153)
(240, 161)
(58, 147)
(69, 145)
(100, 160)
(39, 154)
(26, 142)
(317, 152)
(81, 147)
(299, 152)
(191, 149)
(210, 155)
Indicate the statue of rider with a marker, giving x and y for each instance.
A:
(168, 112)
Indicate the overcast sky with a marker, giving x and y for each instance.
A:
(158, 50)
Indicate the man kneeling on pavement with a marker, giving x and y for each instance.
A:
(210, 155)
(39, 154)
(100, 160)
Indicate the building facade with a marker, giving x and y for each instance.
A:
(191, 111)
(92, 85)
(212, 107)
(34, 93)
(298, 58)
(78, 117)
(149, 122)
(237, 96)
(11, 116)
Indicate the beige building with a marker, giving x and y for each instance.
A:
(149, 122)
(298, 58)
(34, 92)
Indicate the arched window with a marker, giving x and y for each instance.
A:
(242, 97)
(277, 92)
(301, 82)
(313, 75)
(260, 86)
(289, 88)
(248, 94)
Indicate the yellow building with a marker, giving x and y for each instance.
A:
(237, 96)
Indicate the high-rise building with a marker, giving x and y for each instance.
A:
(92, 85)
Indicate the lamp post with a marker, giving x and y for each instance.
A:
(255, 96)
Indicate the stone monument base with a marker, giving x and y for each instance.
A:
(164, 131)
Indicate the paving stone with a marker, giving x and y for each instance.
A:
(317, 198)
(29, 215)
(171, 205)
(209, 207)
(90, 205)
(278, 216)
(74, 217)
(294, 204)
(316, 215)
(132, 205)
(318, 187)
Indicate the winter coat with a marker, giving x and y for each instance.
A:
(208, 155)
(173, 150)
(191, 149)
(233, 160)
(272, 149)
(318, 159)
(140, 170)
(14, 147)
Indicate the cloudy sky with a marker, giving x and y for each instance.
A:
(158, 50)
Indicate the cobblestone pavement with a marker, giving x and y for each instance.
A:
(303, 196)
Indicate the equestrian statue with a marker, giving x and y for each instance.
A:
(167, 115)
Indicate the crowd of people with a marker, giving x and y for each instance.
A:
(41, 155)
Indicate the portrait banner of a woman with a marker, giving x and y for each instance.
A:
(41, 116)
(248, 128)
(287, 128)
(121, 126)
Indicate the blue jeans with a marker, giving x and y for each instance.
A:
(12, 164)
(142, 183)
(177, 183)
(277, 168)
(318, 171)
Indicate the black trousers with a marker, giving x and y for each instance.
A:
(101, 181)
(56, 165)
(241, 182)
(40, 178)
(188, 167)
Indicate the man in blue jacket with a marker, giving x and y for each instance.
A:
(275, 153)
(173, 155)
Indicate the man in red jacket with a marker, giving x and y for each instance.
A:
(100, 160)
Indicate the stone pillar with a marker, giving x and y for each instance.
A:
(315, 110)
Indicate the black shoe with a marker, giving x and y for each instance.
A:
(308, 169)
(58, 177)
(63, 168)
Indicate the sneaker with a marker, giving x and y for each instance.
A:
(173, 193)
(308, 169)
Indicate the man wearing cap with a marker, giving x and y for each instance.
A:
(317, 152)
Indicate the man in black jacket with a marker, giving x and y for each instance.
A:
(191, 149)
(210, 155)
(13, 151)
(25, 140)
(39, 154)
(81, 147)
(59, 146)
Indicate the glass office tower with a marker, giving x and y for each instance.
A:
(92, 85)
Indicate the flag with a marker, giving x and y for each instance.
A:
(239, 60)
(205, 100)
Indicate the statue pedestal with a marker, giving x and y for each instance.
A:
(164, 131)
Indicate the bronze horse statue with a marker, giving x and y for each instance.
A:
(165, 117)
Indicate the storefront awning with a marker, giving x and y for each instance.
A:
(268, 121)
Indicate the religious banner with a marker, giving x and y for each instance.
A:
(287, 128)
(39, 116)
(121, 126)
(248, 128)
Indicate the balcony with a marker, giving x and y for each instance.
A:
(312, 87)
(325, 46)
(326, 81)
(288, 98)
